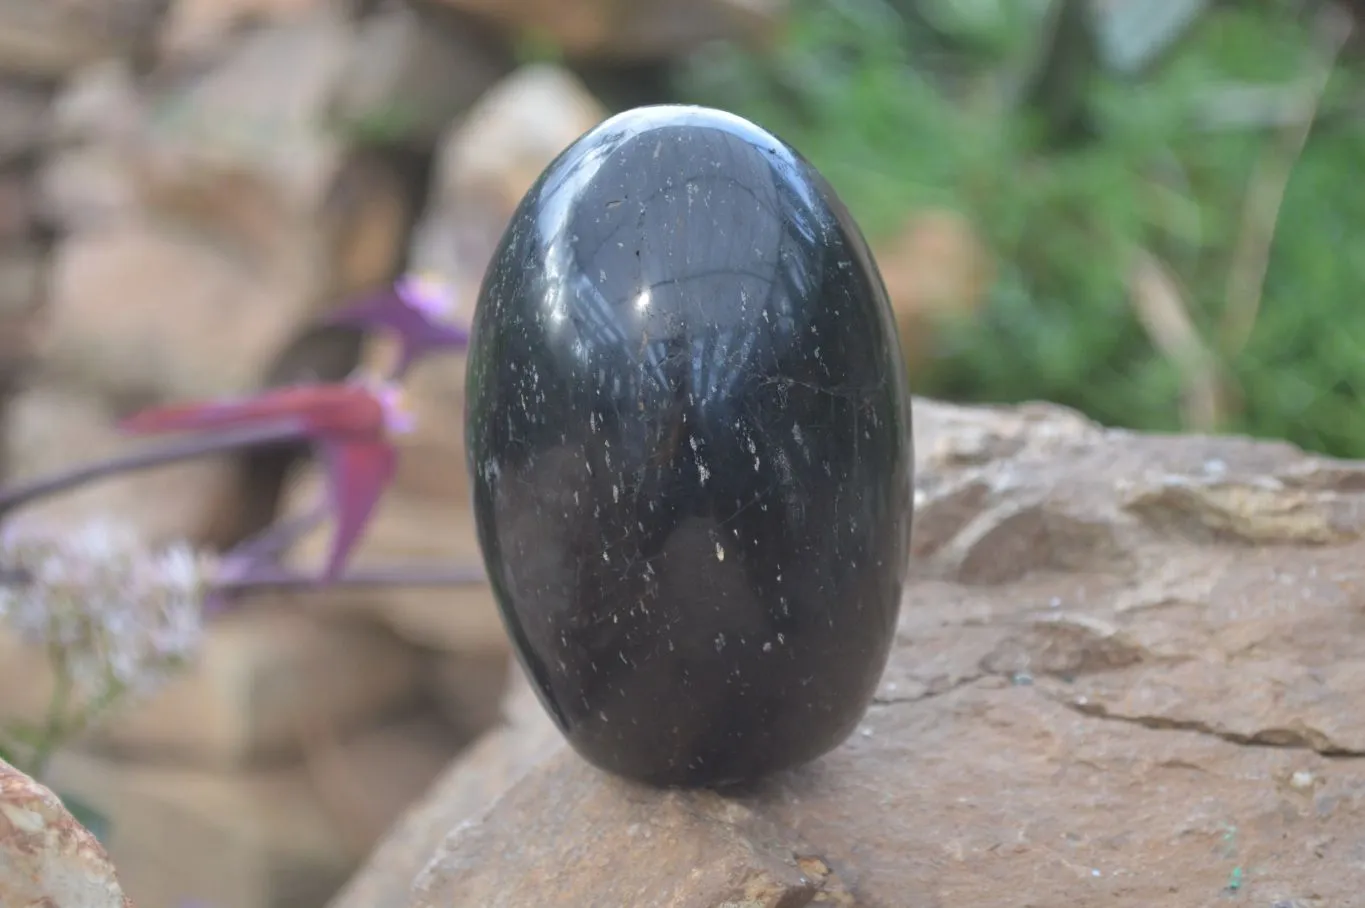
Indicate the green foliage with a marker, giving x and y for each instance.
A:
(909, 105)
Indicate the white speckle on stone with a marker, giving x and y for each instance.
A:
(1302, 779)
(720, 552)
(720, 642)
(768, 647)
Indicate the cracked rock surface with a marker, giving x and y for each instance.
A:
(1130, 671)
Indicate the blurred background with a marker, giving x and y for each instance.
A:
(1152, 212)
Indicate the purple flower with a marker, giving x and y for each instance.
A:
(352, 425)
(416, 311)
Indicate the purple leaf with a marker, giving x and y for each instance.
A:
(357, 475)
(351, 425)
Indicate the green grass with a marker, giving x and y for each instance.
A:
(899, 118)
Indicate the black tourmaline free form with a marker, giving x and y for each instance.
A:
(688, 431)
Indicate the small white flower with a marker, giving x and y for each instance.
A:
(119, 615)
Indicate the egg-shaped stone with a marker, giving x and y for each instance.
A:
(688, 434)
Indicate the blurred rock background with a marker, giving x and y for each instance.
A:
(1084, 213)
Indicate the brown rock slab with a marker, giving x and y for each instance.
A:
(487, 162)
(412, 71)
(45, 41)
(267, 682)
(258, 839)
(23, 277)
(99, 101)
(469, 689)
(52, 427)
(87, 177)
(23, 121)
(213, 214)
(19, 207)
(258, 114)
(1126, 674)
(469, 786)
(644, 30)
(47, 858)
(85, 187)
(675, 850)
(198, 27)
(369, 778)
(364, 223)
(151, 311)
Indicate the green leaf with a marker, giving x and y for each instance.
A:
(88, 816)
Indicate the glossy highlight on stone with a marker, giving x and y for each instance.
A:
(688, 432)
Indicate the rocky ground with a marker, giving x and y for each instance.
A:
(1126, 674)
(1126, 664)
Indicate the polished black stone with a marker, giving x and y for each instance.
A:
(688, 432)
